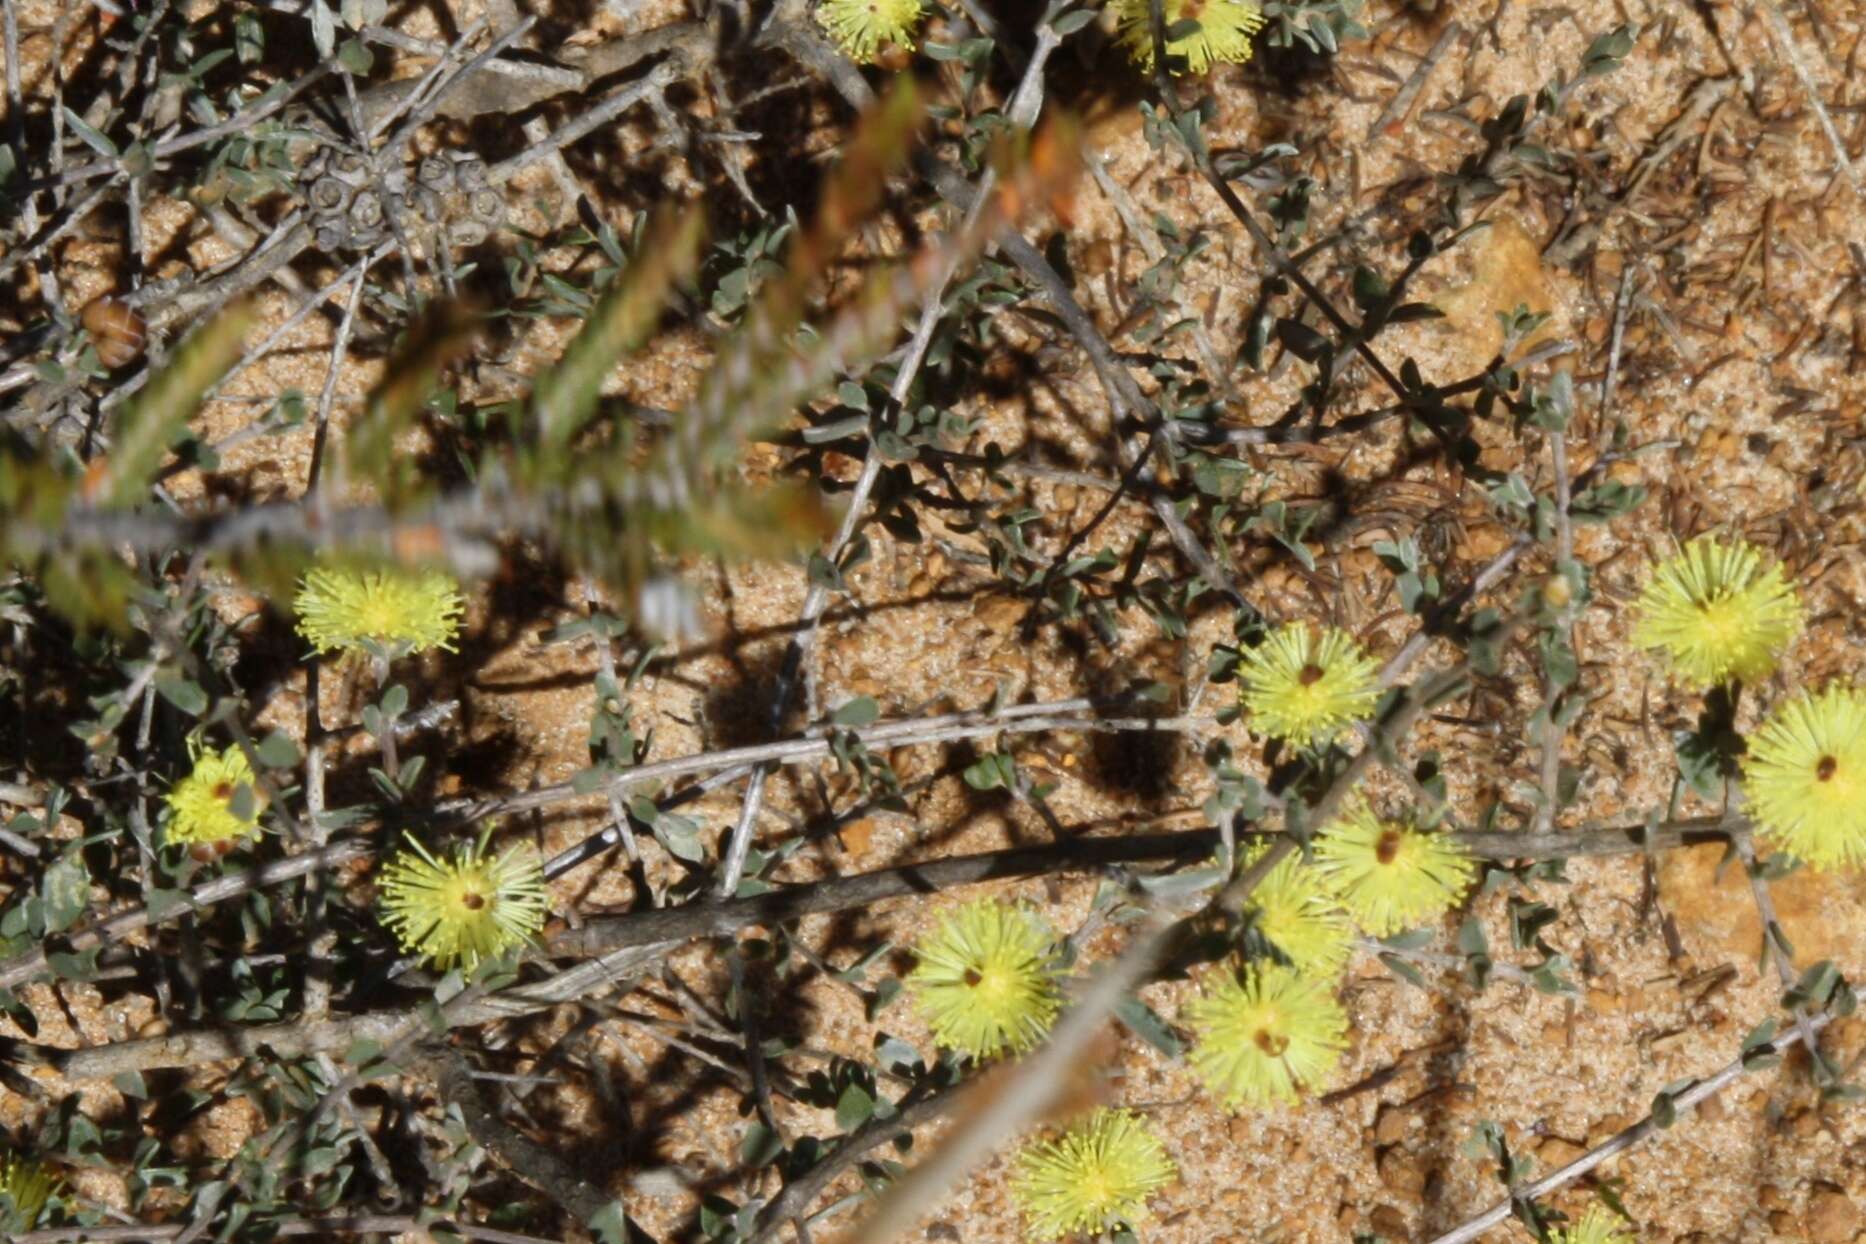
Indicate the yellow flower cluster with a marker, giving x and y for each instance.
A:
(217, 805)
(987, 979)
(1597, 1226)
(1270, 1027)
(1095, 1177)
(467, 909)
(1203, 32)
(862, 28)
(1303, 687)
(1720, 614)
(387, 613)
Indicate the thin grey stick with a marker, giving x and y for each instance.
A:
(945, 729)
(1791, 51)
(414, 98)
(659, 79)
(1409, 91)
(1552, 732)
(28, 964)
(1618, 1144)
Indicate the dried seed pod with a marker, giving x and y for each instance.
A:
(328, 194)
(116, 330)
(333, 234)
(436, 174)
(470, 171)
(208, 852)
(465, 231)
(366, 210)
(488, 207)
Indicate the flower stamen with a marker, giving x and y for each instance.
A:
(1391, 875)
(986, 979)
(468, 908)
(1098, 1175)
(1718, 613)
(200, 806)
(1263, 1033)
(1303, 688)
(1803, 777)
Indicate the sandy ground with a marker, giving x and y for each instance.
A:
(1742, 365)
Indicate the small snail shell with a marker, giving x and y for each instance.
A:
(117, 331)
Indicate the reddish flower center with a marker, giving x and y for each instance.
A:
(472, 901)
(1824, 771)
(1388, 847)
(1310, 675)
(973, 978)
(223, 791)
(1271, 1043)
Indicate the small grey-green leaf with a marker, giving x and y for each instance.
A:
(858, 712)
(610, 1224)
(760, 1146)
(184, 693)
(323, 29)
(92, 138)
(355, 57)
(277, 751)
(1146, 1024)
(854, 1107)
(66, 891)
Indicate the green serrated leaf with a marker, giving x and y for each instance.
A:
(565, 396)
(151, 420)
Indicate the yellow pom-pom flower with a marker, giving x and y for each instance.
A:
(1265, 1033)
(1224, 33)
(30, 1186)
(1597, 1226)
(1717, 613)
(387, 613)
(202, 806)
(1294, 910)
(986, 979)
(1303, 688)
(467, 909)
(1096, 1176)
(1391, 875)
(862, 27)
(1805, 777)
